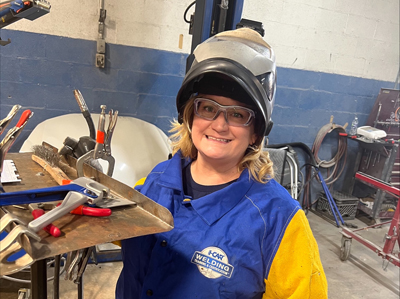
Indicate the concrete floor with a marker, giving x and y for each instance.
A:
(361, 276)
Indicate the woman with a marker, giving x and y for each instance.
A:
(238, 233)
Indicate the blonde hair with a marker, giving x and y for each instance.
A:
(255, 159)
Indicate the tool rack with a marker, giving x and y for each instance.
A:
(384, 115)
(375, 158)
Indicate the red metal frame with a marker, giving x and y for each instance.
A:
(393, 234)
(378, 184)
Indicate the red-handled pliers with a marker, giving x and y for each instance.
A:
(88, 211)
(51, 229)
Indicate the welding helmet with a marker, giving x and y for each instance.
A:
(245, 62)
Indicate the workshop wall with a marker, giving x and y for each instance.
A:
(333, 57)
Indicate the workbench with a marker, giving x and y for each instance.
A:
(79, 232)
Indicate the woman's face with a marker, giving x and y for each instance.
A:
(218, 142)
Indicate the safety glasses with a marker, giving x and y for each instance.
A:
(236, 116)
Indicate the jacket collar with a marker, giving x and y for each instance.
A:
(172, 176)
(213, 206)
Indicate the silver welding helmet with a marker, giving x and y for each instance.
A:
(242, 57)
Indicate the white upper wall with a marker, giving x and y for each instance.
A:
(357, 38)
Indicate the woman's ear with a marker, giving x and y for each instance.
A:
(253, 139)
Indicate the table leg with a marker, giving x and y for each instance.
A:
(39, 280)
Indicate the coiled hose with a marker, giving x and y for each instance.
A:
(334, 166)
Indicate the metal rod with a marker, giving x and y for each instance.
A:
(377, 115)
(80, 288)
(222, 15)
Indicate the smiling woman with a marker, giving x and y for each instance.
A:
(220, 142)
(235, 226)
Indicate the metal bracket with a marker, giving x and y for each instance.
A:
(101, 43)
(4, 42)
(100, 60)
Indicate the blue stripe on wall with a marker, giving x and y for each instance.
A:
(41, 71)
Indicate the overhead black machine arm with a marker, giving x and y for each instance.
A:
(213, 16)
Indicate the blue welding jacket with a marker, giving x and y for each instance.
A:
(222, 245)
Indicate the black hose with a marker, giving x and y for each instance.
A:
(301, 145)
(85, 112)
(187, 9)
(89, 120)
(307, 150)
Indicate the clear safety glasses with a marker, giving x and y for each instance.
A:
(236, 116)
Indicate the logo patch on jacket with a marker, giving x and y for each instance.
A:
(212, 262)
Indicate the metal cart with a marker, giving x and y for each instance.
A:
(393, 235)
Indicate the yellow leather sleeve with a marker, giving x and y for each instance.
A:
(296, 271)
(140, 182)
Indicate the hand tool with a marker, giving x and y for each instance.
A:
(50, 162)
(86, 253)
(13, 266)
(88, 211)
(147, 217)
(72, 261)
(56, 173)
(11, 244)
(110, 130)
(102, 148)
(39, 195)
(92, 189)
(6, 121)
(90, 192)
(51, 229)
(12, 135)
(86, 186)
(50, 155)
(71, 201)
(99, 148)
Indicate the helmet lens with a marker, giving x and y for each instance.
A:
(236, 116)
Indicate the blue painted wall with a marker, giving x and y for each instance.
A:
(40, 72)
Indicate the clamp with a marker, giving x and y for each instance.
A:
(82, 190)
(102, 148)
(6, 121)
